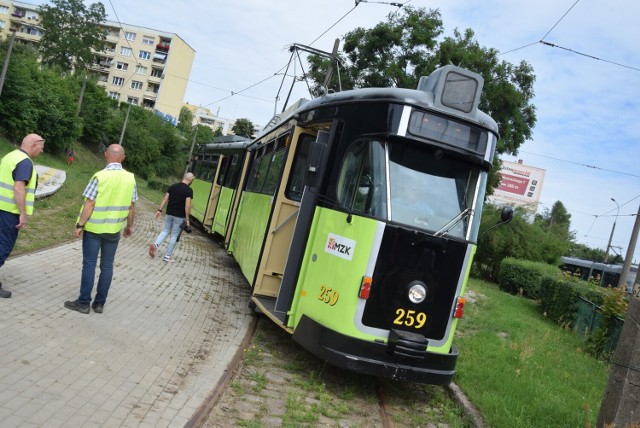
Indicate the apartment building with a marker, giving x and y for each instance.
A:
(137, 65)
(204, 116)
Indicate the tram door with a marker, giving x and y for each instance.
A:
(285, 213)
(213, 195)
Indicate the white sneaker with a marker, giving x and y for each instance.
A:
(168, 259)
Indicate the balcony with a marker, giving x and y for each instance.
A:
(163, 47)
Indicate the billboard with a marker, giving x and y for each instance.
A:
(520, 185)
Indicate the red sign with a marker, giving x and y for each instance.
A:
(513, 184)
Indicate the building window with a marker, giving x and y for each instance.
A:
(132, 100)
(122, 65)
(4, 10)
(114, 95)
(156, 73)
(148, 40)
(30, 30)
(141, 69)
(136, 85)
(129, 36)
(32, 16)
(125, 51)
(144, 55)
(2, 25)
(118, 81)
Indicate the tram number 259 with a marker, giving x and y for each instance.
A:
(410, 318)
(328, 295)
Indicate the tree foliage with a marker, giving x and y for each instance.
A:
(538, 240)
(243, 127)
(408, 45)
(39, 100)
(72, 33)
(185, 120)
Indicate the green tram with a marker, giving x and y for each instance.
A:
(355, 221)
(217, 168)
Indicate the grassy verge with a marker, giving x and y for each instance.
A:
(55, 216)
(521, 370)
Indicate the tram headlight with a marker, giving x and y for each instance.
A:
(417, 292)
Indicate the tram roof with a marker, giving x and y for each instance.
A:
(412, 97)
(226, 143)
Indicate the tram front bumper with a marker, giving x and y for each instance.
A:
(373, 358)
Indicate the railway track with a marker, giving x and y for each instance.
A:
(272, 381)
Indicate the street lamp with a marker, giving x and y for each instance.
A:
(606, 256)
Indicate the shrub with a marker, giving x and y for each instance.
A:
(559, 296)
(523, 276)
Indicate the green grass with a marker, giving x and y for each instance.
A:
(521, 370)
(55, 216)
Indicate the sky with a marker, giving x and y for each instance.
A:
(587, 136)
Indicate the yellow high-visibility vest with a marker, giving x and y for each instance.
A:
(115, 194)
(7, 197)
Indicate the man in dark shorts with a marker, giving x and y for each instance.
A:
(18, 182)
(178, 202)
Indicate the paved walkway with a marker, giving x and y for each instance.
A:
(165, 338)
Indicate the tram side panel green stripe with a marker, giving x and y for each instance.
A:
(248, 232)
(329, 280)
(201, 190)
(222, 211)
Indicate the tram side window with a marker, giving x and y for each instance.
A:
(299, 169)
(206, 169)
(224, 169)
(361, 184)
(265, 173)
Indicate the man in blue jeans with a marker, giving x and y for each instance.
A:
(178, 202)
(108, 206)
(18, 182)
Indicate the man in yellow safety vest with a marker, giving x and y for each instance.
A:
(109, 201)
(18, 182)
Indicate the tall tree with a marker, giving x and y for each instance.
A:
(397, 52)
(71, 33)
(185, 120)
(243, 127)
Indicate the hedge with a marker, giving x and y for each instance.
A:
(523, 276)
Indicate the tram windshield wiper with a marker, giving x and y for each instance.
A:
(451, 223)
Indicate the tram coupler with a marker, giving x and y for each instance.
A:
(407, 344)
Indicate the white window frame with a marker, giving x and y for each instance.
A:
(125, 51)
(148, 40)
(128, 35)
(144, 54)
(141, 69)
(122, 66)
(136, 85)
(133, 100)
(118, 81)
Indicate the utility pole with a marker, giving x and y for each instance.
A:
(630, 250)
(84, 86)
(6, 60)
(193, 143)
(124, 126)
(619, 406)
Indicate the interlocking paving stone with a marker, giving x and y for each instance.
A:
(167, 334)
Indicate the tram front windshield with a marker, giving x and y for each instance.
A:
(426, 189)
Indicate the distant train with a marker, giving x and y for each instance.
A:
(607, 275)
(354, 217)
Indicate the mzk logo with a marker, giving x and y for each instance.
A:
(340, 246)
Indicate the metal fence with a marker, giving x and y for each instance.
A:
(589, 319)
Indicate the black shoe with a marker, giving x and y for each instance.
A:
(75, 306)
(97, 307)
(4, 293)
